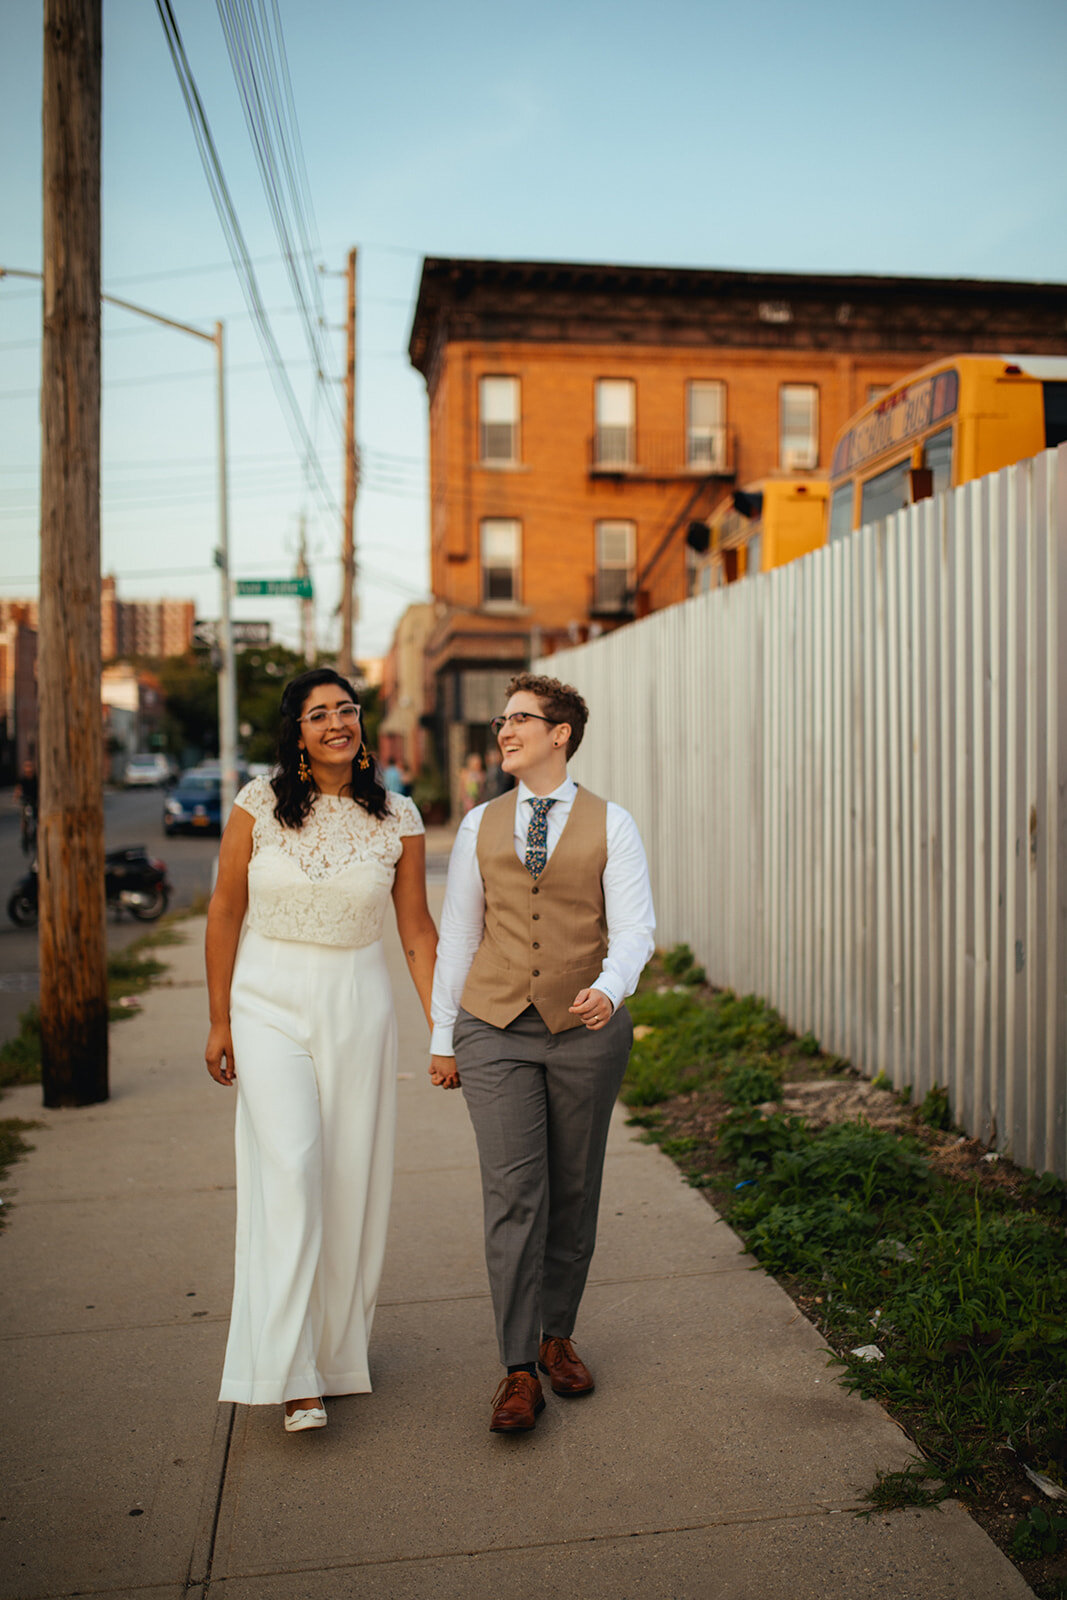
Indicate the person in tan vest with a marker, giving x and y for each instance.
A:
(547, 924)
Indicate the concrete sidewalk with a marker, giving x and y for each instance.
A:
(718, 1459)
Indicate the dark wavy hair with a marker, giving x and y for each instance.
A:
(294, 797)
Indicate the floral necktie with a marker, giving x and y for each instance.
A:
(537, 837)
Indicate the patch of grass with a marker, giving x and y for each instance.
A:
(934, 1111)
(918, 1484)
(688, 1040)
(955, 1269)
(20, 1057)
(12, 1148)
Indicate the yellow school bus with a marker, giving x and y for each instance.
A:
(759, 527)
(941, 426)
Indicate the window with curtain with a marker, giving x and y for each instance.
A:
(498, 421)
(615, 546)
(705, 407)
(501, 548)
(616, 411)
(798, 428)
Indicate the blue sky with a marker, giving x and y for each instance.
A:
(914, 139)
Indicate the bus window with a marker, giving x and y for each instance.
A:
(937, 457)
(1055, 414)
(841, 511)
(888, 492)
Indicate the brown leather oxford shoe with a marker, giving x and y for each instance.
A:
(567, 1373)
(517, 1401)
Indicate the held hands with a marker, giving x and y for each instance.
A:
(443, 1072)
(219, 1054)
(594, 1008)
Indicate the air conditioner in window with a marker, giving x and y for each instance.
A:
(801, 460)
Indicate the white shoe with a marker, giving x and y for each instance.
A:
(313, 1417)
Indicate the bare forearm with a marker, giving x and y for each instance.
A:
(420, 951)
(220, 953)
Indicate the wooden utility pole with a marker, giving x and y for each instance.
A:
(70, 839)
(348, 549)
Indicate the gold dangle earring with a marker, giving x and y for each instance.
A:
(303, 770)
(364, 758)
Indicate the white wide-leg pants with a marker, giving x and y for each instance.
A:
(314, 1036)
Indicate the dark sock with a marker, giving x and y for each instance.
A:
(524, 1366)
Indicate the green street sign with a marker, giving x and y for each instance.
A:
(295, 588)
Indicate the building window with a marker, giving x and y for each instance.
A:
(501, 547)
(705, 426)
(498, 417)
(613, 581)
(798, 429)
(615, 414)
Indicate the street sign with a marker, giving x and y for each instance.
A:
(296, 588)
(206, 633)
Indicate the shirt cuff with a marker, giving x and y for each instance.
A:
(608, 984)
(441, 1039)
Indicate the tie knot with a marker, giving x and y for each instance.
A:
(540, 808)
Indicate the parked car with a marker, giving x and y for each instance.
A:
(150, 769)
(194, 805)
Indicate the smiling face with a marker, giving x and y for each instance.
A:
(535, 751)
(331, 741)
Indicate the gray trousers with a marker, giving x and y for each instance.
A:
(540, 1104)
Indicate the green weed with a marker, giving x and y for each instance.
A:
(12, 1147)
(1040, 1533)
(20, 1057)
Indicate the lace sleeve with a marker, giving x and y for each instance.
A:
(408, 816)
(257, 798)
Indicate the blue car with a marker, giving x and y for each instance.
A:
(194, 805)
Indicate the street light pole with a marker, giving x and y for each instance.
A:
(227, 673)
(227, 664)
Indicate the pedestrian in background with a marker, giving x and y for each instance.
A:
(471, 782)
(393, 777)
(547, 925)
(302, 1020)
(497, 781)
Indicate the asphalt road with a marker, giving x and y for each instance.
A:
(131, 816)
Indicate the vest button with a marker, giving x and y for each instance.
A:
(537, 916)
(536, 945)
(535, 973)
(535, 890)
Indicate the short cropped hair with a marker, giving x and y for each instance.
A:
(560, 701)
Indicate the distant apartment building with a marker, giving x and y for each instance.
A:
(127, 627)
(143, 627)
(581, 417)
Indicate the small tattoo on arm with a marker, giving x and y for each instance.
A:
(411, 955)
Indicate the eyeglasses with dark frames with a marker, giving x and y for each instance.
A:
(498, 724)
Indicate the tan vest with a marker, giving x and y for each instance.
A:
(544, 939)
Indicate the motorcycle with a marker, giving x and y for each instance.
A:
(134, 881)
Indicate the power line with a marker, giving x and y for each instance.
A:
(242, 260)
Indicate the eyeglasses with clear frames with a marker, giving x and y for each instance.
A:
(498, 724)
(348, 713)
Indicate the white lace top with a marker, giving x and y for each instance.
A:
(328, 882)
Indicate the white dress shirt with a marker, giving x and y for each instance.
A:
(628, 908)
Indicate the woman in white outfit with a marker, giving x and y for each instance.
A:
(302, 1020)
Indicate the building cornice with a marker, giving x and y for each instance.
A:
(486, 301)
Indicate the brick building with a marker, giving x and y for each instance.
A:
(581, 416)
(143, 627)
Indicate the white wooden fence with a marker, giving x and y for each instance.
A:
(851, 779)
